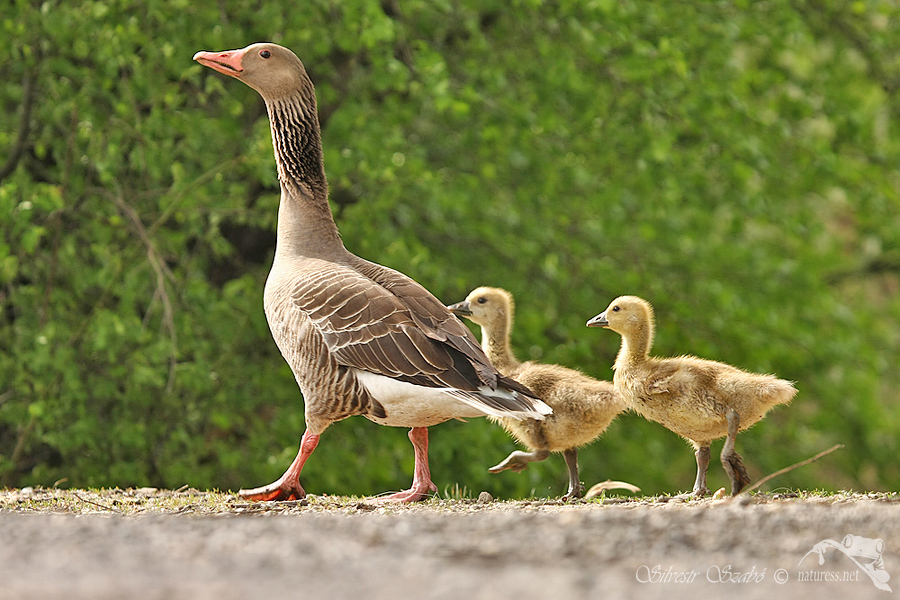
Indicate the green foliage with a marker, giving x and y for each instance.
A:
(734, 163)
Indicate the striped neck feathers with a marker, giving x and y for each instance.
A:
(297, 143)
(305, 223)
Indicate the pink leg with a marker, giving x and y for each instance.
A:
(288, 485)
(422, 484)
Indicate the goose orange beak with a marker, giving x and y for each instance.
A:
(227, 62)
(598, 321)
(460, 309)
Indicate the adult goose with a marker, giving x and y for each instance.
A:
(700, 400)
(360, 338)
(583, 407)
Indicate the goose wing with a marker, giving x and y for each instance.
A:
(378, 320)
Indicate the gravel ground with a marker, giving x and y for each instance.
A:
(189, 544)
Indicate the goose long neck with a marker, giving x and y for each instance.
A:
(305, 224)
(495, 343)
(636, 345)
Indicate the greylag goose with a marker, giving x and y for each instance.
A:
(582, 407)
(360, 338)
(700, 400)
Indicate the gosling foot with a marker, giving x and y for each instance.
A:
(699, 492)
(518, 461)
(692, 495)
(701, 453)
(575, 492)
(576, 488)
(737, 472)
(731, 460)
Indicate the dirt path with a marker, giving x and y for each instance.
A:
(150, 544)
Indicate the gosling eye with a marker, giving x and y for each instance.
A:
(615, 309)
(482, 300)
(265, 53)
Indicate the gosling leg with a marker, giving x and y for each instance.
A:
(576, 488)
(518, 460)
(702, 455)
(731, 460)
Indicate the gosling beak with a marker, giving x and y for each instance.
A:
(460, 309)
(227, 62)
(599, 321)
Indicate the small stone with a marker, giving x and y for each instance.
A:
(484, 498)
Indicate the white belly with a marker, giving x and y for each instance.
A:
(410, 405)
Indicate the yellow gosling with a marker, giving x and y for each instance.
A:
(700, 400)
(582, 407)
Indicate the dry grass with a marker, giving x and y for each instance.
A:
(189, 501)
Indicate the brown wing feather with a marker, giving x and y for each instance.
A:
(396, 328)
(429, 315)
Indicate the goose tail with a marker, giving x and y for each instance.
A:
(504, 403)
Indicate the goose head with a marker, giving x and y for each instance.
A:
(272, 70)
(486, 306)
(625, 315)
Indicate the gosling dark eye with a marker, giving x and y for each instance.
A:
(265, 53)
(482, 300)
(615, 309)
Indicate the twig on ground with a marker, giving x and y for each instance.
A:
(802, 463)
(103, 506)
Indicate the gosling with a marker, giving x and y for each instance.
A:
(700, 400)
(582, 407)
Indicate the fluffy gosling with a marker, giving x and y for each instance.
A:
(700, 400)
(582, 407)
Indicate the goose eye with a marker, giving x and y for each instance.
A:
(482, 300)
(265, 53)
(615, 309)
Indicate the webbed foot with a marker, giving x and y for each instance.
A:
(518, 461)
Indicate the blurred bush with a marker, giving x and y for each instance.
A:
(734, 163)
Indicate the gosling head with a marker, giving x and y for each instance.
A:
(485, 306)
(624, 315)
